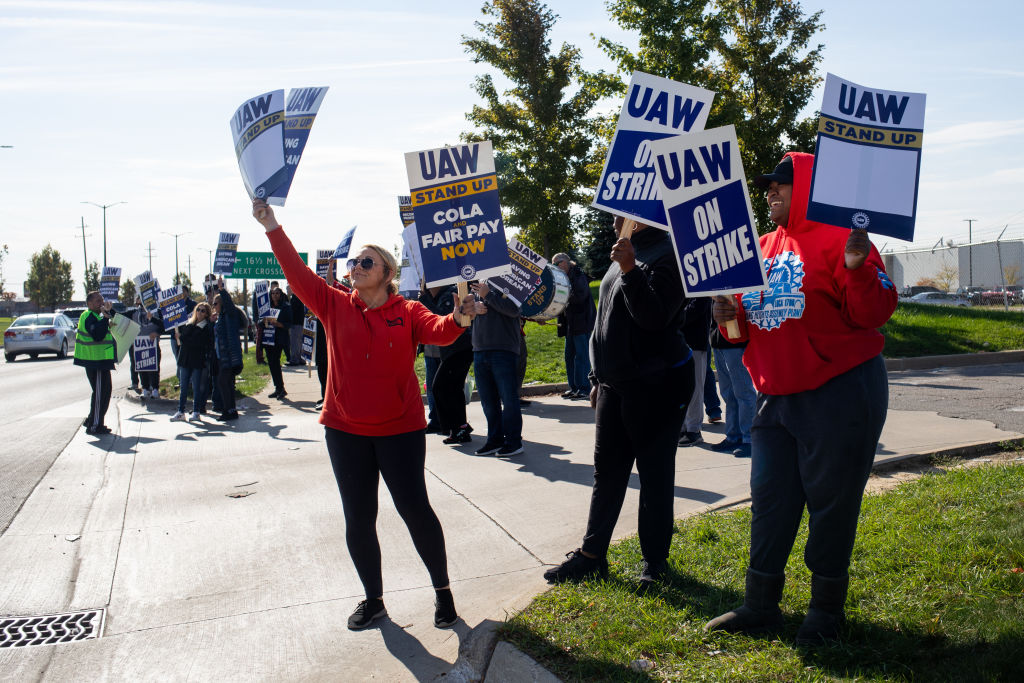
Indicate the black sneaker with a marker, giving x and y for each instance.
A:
(652, 572)
(457, 437)
(577, 567)
(726, 445)
(318, 405)
(690, 439)
(509, 450)
(227, 417)
(568, 394)
(445, 615)
(275, 394)
(101, 429)
(367, 612)
(488, 449)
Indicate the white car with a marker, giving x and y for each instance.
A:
(940, 299)
(39, 333)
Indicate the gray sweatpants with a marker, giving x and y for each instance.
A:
(815, 448)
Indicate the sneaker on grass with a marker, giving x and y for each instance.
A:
(652, 572)
(367, 612)
(577, 568)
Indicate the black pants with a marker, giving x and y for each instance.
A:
(449, 390)
(815, 448)
(99, 380)
(273, 354)
(226, 384)
(321, 358)
(131, 364)
(151, 378)
(359, 462)
(638, 422)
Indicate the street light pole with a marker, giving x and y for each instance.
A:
(210, 252)
(176, 235)
(970, 251)
(104, 207)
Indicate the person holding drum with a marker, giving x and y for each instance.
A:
(642, 380)
(575, 323)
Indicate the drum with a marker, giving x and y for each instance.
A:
(550, 298)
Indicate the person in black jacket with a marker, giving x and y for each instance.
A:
(641, 382)
(696, 328)
(281, 339)
(575, 323)
(195, 346)
(450, 376)
(229, 321)
(298, 314)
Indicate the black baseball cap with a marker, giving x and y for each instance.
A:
(782, 174)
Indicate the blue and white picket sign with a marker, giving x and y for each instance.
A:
(708, 207)
(345, 245)
(148, 289)
(323, 261)
(261, 291)
(460, 233)
(655, 108)
(867, 162)
(527, 268)
(308, 337)
(173, 307)
(269, 330)
(405, 210)
(110, 283)
(257, 129)
(227, 248)
(301, 107)
(146, 359)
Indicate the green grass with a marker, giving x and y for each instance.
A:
(937, 594)
(923, 330)
(252, 380)
(4, 324)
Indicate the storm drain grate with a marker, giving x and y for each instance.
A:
(51, 628)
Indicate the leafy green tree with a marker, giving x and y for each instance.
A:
(541, 126)
(183, 279)
(128, 292)
(756, 54)
(92, 278)
(49, 280)
(596, 235)
(3, 256)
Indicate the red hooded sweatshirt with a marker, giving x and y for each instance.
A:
(372, 389)
(817, 319)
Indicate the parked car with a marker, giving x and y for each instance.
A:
(971, 293)
(913, 290)
(998, 295)
(39, 333)
(939, 299)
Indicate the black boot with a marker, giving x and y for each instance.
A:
(760, 610)
(825, 614)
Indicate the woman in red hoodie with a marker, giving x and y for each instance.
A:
(373, 413)
(814, 355)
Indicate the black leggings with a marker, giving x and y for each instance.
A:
(321, 358)
(273, 354)
(358, 462)
(449, 390)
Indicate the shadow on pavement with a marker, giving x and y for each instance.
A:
(405, 648)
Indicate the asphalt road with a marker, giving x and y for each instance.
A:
(44, 402)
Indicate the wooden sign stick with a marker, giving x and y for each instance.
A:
(463, 289)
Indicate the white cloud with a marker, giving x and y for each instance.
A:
(974, 133)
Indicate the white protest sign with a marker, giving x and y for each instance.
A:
(269, 331)
(323, 261)
(708, 207)
(655, 108)
(261, 292)
(867, 161)
(527, 270)
(258, 132)
(148, 290)
(110, 283)
(124, 330)
(300, 112)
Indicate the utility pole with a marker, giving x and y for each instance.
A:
(210, 252)
(85, 255)
(189, 261)
(104, 207)
(176, 235)
(149, 254)
(970, 251)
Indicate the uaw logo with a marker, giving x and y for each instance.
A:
(783, 299)
(860, 220)
(468, 272)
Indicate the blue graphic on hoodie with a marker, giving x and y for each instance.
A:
(783, 299)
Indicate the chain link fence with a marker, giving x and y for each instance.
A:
(972, 269)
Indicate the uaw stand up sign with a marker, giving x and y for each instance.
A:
(655, 108)
(712, 225)
(867, 161)
(459, 229)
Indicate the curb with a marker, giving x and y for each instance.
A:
(957, 360)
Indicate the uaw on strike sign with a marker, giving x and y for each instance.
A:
(655, 108)
(712, 225)
(867, 161)
(460, 233)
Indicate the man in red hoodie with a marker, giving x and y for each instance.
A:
(814, 355)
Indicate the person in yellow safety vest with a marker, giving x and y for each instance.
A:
(95, 351)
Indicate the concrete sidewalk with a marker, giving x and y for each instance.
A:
(218, 552)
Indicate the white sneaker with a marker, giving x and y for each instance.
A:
(196, 417)
(178, 416)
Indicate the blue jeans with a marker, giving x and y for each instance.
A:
(737, 392)
(577, 362)
(430, 365)
(193, 377)
(497, 381)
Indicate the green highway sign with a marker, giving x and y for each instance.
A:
(260, 265)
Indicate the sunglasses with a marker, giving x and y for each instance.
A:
(364, 263)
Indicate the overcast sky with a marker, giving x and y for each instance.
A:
(129, 102)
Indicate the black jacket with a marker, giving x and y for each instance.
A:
(195, 346)
(639, 319)
(697, 322)
(443, 304)
(580, 313)
(281, 336)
